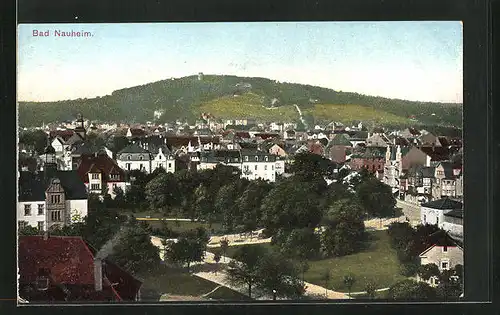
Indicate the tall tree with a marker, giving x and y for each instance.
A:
(250, 201)
(301, 244)
(190, 247)
(344, 231)
(309, 166)
(376, 198)
(245, 269)
(291, 205)
(161, 192)
(226, 207)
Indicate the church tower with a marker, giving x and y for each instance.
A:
(80, 127)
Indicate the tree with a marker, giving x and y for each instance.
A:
(190, 247)
(349, 281)
(37, 139)
(376, 198)
(225, 205)
(161, 192)
(335, 192)
(450, 285)
(301, 244)
(29, 230)
(370, 289)
(309, 166)
(250, 201)
(119, 200)
(427, 271)
(291, 205)
(118, 143)
(134, 250)
(202, 206)
(344, 231)
(411, 290)
(326, 277)
(276, 273)
(245, 269)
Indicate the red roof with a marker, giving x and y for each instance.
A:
(100, 164)
(70, 263)
(68, 258)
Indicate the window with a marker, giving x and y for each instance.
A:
(128, 166)
(55, 216)
(445, 265)
(445, 249)
(256, 158)
(437, 221)
(265, 167)
(40, 225)
(246, 158)
(22, 224)
(245, 167)
(55, 199)
(272, 167)
(95, 187)
(95, 176)
(169, 164)
(266, 158)
(425, 218)
(255, 167)
(27, 210)
(40, 209)
(141, 158)
(141, 167)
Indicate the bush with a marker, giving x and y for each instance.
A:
(409, 269)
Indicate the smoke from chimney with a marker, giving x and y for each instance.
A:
(98, 274)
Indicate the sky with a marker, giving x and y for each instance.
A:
(420, 61)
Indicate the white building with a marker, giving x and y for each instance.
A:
(434, 213)
(133, 157)
(50, 199)
(163, 158)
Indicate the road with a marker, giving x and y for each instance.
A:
(410, 210)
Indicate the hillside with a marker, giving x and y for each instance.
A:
(238, 97)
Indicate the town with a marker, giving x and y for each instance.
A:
(239, 209)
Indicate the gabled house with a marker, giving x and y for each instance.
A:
(445, 252)
(163, 158)
(371, 158)
(446, 180)
(133, 157)
(52, 198)
(377, 140)
(99, 173)
(65, 269)
(278, 150)
(338, 147)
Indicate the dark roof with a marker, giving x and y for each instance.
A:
(32, 186)
(457, 213)
(63, 134)
(428, 172)
(359, 135)
(49, 149)
(444, 204)
(133, 148)
(265, 136)
(437, 153)
(448, 169)
(441, 238)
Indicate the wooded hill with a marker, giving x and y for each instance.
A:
(231, 97)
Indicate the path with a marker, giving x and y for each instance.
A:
(300, 115)
(410, 210)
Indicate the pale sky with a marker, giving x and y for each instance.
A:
(419, 61)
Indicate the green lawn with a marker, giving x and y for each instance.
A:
(232, 249)
(378, 264)
(166, 280)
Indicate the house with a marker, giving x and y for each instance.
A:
(454, 223)
(338, 147)
(372, 158)
(278, 150)
(377, 140)
(65, 268)
(445, 252)
(446, 180)
(210, 159)
(433, 212)
(289, 134)
(100, 173)
(133, 157)
(163, 158)
(421, 180)
(258, 165)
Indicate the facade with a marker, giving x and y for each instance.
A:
(163, 158)
(100, 173)
(133, 157)
(373, 159)
(453, 223)
(338, 148)
(50, 199)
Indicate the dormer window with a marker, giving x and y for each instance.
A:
(266, 158)
(129, 157)
(256, 158)
(246, 158)
(141, 158)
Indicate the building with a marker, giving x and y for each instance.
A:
(163, 158)
(52, 198)
(445, 252)
(64, 268)
(433, 212)
(372, 158)
(100, 173)
(258, 165)
(338, 148)
(133, 157)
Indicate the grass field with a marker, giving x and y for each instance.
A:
(166, 280)
(378, 264)
(248, 105)
(349, 113)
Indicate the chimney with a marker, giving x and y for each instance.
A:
(98, 274)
